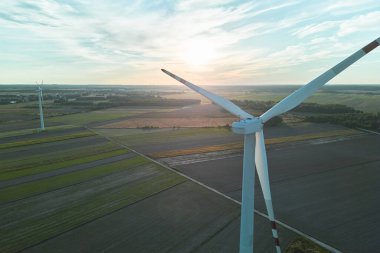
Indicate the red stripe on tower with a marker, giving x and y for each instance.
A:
(370, 46)
(273, 225)
(277, 241)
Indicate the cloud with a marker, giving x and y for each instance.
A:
(316, 28)
(132, 40)
(145, 32)
(350, 6)
(362, 23)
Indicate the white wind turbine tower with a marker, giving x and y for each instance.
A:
(40, 101)
(251, 127)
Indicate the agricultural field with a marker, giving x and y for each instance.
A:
(334, 168)
(106, 115)
(24, 112)
(364, 98)
(150, 141)
(111, 179)
(309, 194)
(17, 112)
(72, 184)
(43, 194)
(204, 115)
(172, 123)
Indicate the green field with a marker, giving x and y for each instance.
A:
(360, 101)
(132, 137)
(103, 115)
(32, 131)
(37, 140)
(41, 208)
(90, 117)
(30, 161)
(21, 112)
(26, 230)
(16, 192)
(15, 173)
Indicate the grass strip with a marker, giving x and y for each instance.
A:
(90, 117)
(54, 166)
(46, 140)
(21, 191)
(239, 145)
(31, 232)
(34, 130)
(56, 156)
(301, 245)
(197, 150)
(303, 137)
(160, 136)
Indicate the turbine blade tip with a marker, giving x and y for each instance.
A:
(371, 46)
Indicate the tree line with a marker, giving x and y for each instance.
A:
(263, 106)
(353, 120)
(130, 100)
(321, 113)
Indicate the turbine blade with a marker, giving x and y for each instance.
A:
(222, 102)
(306, 91)
(262, 172)
(247, 196)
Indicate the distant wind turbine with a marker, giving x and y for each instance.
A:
(40, 101)
(250, 126)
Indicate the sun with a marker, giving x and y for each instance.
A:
(199, 52)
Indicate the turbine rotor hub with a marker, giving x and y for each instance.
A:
(247, 126)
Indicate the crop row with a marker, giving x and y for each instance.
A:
(20, 191)
(56, 156)
(33, 230)
(239, 145)
(54, 166)
(46, 139)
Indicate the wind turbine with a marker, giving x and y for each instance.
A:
(251, 127)
(40, 101)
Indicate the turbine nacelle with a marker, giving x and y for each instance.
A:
(247, 126)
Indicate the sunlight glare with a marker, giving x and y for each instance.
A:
(199, 52)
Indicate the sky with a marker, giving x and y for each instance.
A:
(207, 42)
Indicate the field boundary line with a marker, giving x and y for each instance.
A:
(44, 140)
(309, 237)
(100, 217)
(215, 234)
(368, 131)
(62, 171)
